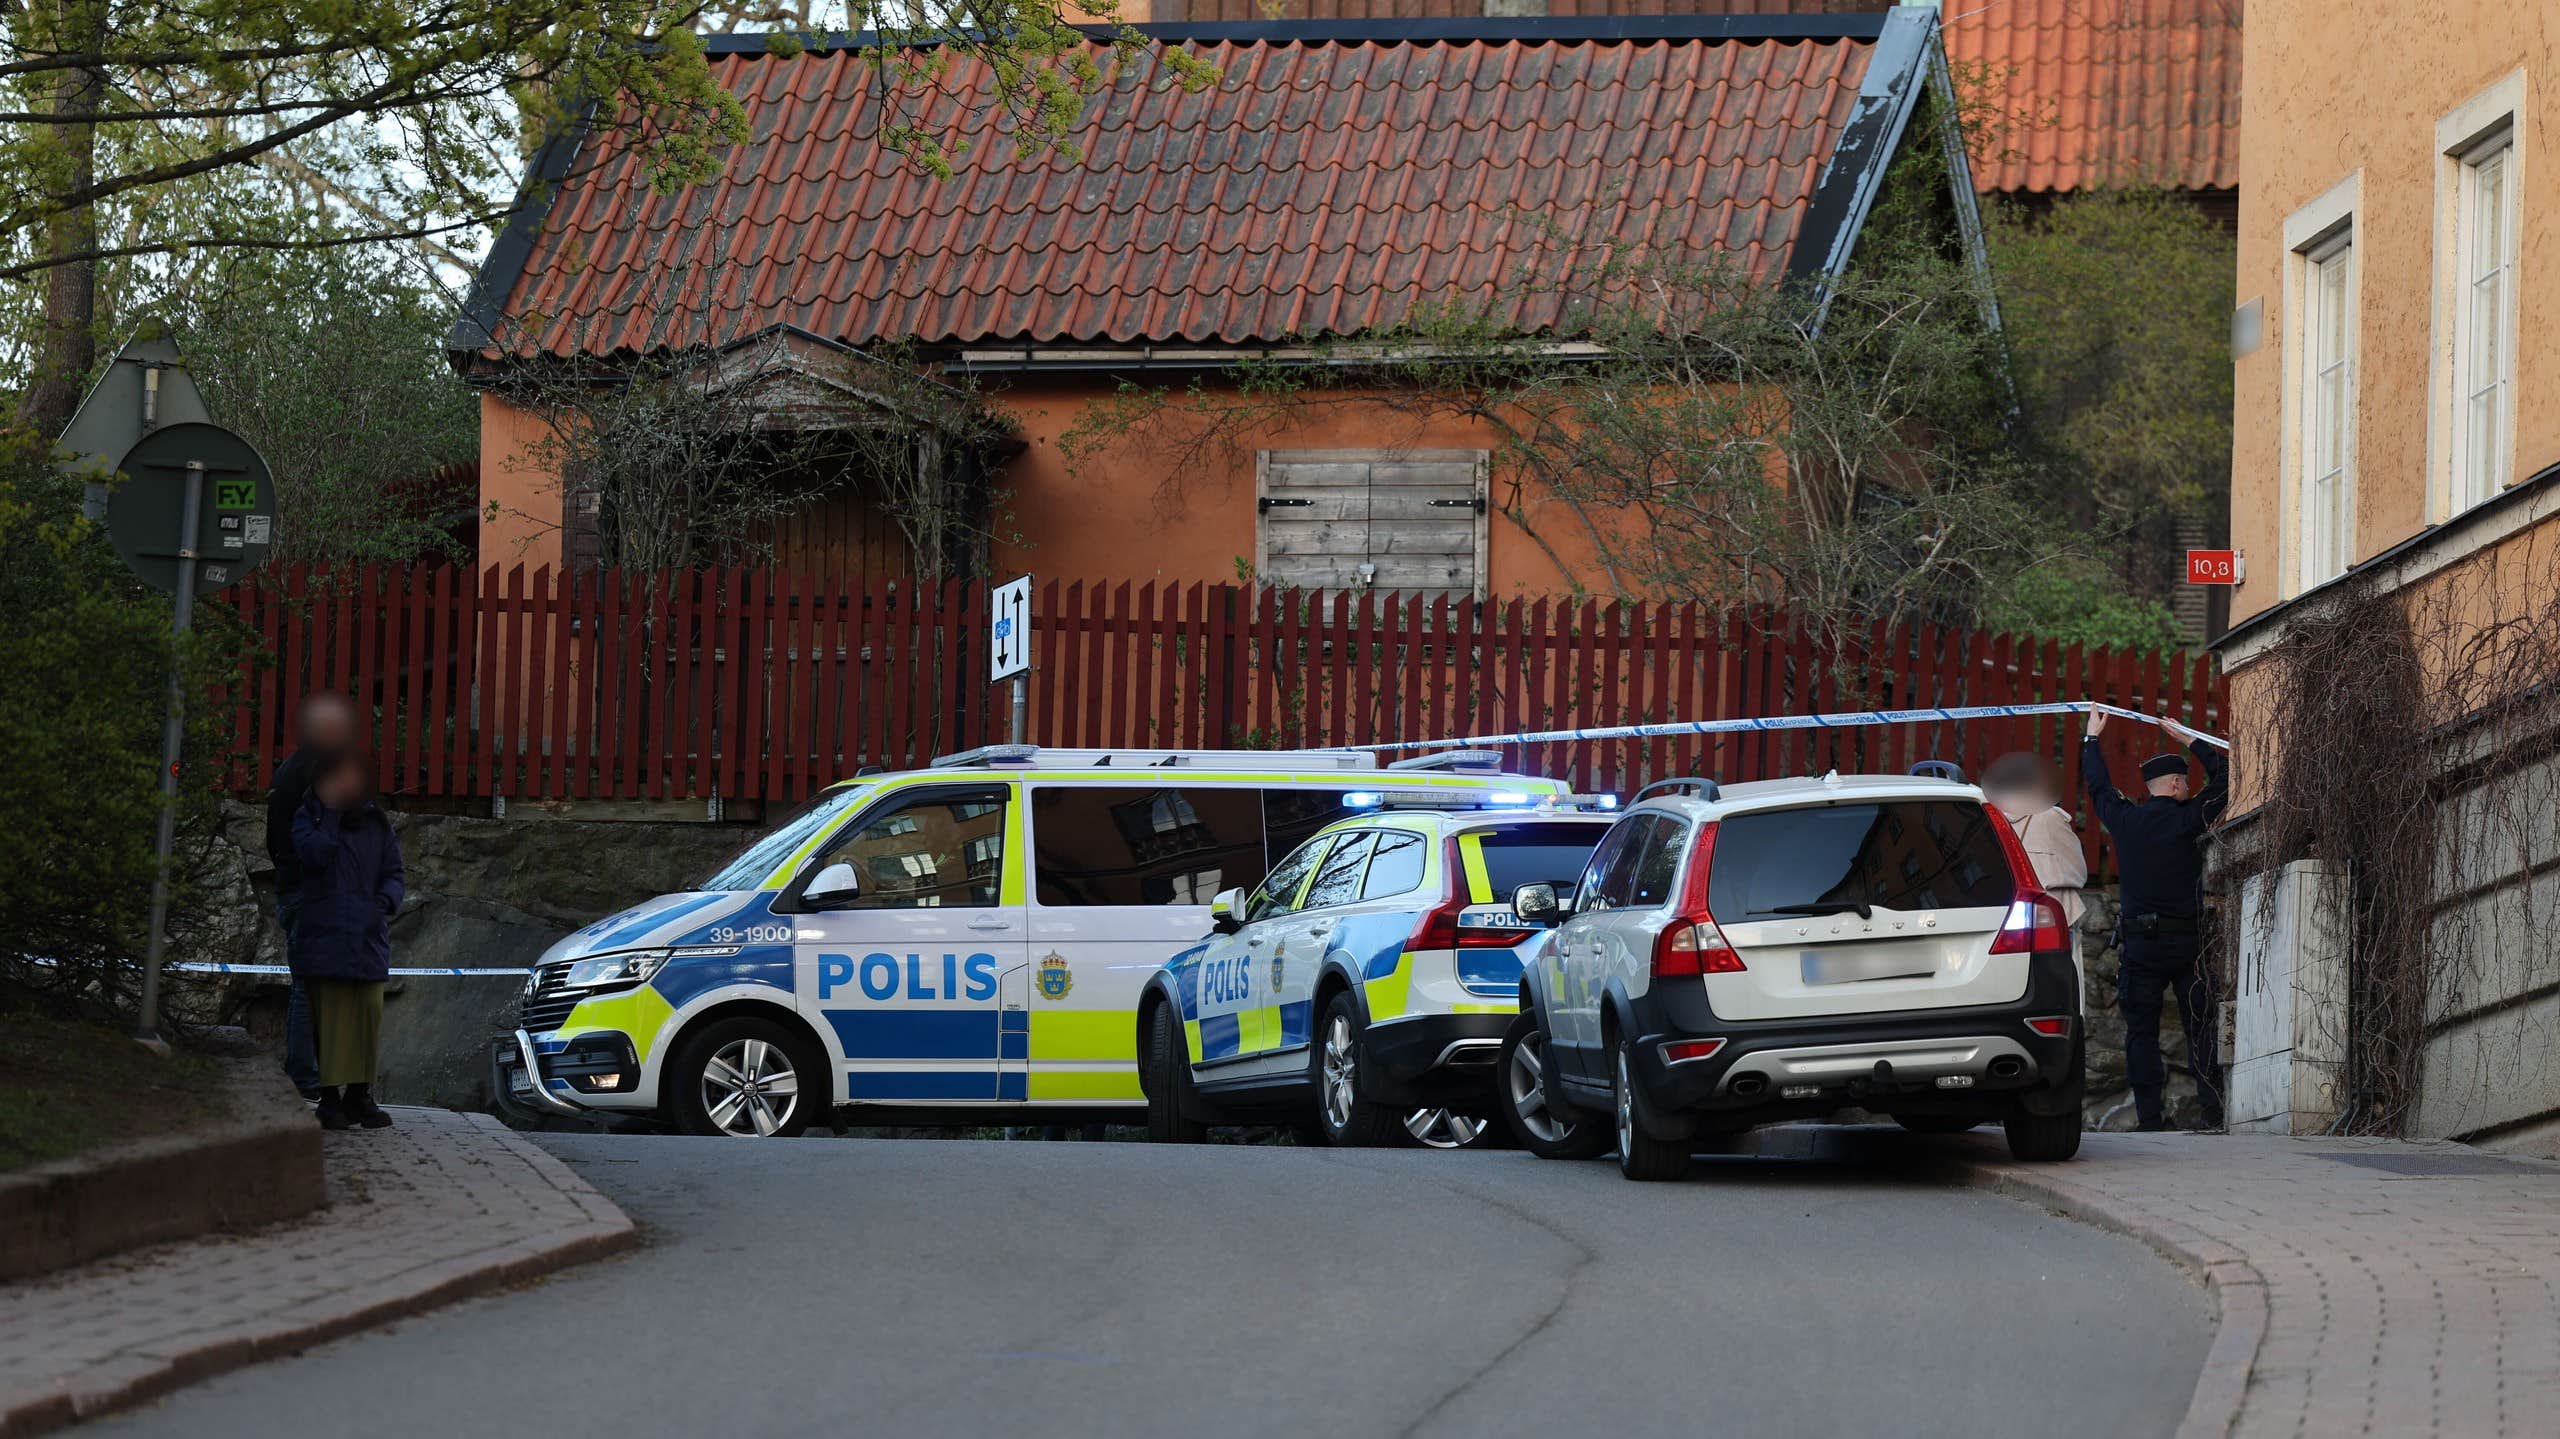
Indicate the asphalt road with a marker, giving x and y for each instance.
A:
(885, 1287)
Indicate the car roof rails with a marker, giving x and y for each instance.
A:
(1032, 756)
(1945, 769)
(1457, 759)
(1705, 788)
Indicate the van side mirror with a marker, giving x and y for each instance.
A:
(1222, 911)
(1540, 904)
(835, 886)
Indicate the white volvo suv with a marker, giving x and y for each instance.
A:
(1782, 950)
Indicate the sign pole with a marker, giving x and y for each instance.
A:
(1021, 707)
(173, 741)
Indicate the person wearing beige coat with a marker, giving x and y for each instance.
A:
(2022, 788)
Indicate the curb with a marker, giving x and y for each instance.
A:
(2239, 1291)
(148, 1375)
(259, 1166)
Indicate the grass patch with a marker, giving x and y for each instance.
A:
(67, 1086)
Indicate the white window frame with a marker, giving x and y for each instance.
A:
(2319, 234)
(2464, 470)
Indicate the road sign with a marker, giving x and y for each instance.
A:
(192, 492)
(1009, 630)
(2216, 567)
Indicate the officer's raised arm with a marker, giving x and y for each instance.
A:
(2217, 772)
(2109, 805)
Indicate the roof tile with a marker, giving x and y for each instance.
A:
(1323, 187)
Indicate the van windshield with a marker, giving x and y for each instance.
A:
(756, 862)
(1896, 854)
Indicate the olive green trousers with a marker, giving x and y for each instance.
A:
(346, 1027)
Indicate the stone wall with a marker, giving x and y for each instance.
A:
(483, 893)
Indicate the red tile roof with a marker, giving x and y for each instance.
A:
(2107, 91)
(1325, 187)
(2114, 90)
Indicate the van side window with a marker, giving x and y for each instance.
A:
(1142, 844)
(1338, 882)
(1395, 868)
(1279, 891)
(937, 851)
(1291, 814)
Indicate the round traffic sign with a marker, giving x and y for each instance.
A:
(235, 506)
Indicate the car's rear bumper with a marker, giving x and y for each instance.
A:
(1434, 1060)
(1981, 1060)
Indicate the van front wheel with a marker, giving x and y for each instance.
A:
(746, 1078)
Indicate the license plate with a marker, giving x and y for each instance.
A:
(1833, 967)
(517, 1083)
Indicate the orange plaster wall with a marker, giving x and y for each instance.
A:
(2328, 96)
(1143, 510)
(525, 529)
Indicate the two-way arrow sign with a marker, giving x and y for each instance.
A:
(1009, 630)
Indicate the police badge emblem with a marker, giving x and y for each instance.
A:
(1055, 981)
(1275, 976)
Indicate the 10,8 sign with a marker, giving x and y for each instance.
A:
(2214, 567)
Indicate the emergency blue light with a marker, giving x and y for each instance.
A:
(1508, 796)
(1363, 799)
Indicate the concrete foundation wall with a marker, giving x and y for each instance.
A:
(2493, 1047)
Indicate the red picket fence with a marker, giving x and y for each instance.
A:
(766, 686)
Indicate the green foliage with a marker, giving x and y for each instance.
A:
(332, 363)
(86, 652)
(2117, 306)
(2076, 600)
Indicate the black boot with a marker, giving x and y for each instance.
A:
(332, 1109)
(362, 1109)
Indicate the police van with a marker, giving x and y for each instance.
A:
(959, 944)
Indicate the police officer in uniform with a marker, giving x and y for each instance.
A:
(2160, 853)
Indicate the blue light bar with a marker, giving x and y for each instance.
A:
(1362, 799)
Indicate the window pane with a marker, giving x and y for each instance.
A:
(1902, 855)
(2488, 213)
(1279, 889)
(1614, 878)
(2480, 445)
(1651, 888)
(1290, 815)
(1338, 882)
(1395, 868)
(1520, 854)
(2333, 308)
(928, 854)
(1150, 844)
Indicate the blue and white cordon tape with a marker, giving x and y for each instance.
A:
(1846, 719)
(198, 966)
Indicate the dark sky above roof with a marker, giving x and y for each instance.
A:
(1321, 188)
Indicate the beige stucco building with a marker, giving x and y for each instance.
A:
(2396, 350)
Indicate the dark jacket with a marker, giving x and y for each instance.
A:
(284, 801)
(2159, 849)
(351, 883)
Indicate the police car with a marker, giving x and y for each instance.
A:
(1744, 955)
(1360, 991)
(958, 944)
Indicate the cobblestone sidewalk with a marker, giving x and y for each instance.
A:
(440, 1207)
(2365, 1286)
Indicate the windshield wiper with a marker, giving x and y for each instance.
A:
(1863, 910)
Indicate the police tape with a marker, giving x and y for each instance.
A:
(1845, 719)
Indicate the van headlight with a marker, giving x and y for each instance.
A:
(629, 968)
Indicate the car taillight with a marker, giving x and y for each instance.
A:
(1439, 928)
(2035, 921)
(1681, 1051)
(1692, 944)
(2051, 1026)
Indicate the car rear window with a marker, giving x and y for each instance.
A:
(1896, 854)
(1520, 854)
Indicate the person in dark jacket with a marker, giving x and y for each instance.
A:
(2160, 857)
(323, 726)
(351, 883)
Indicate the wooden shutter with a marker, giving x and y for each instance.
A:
(1410, 520)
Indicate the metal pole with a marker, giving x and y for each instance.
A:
(1022, 707)
(173, 739)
